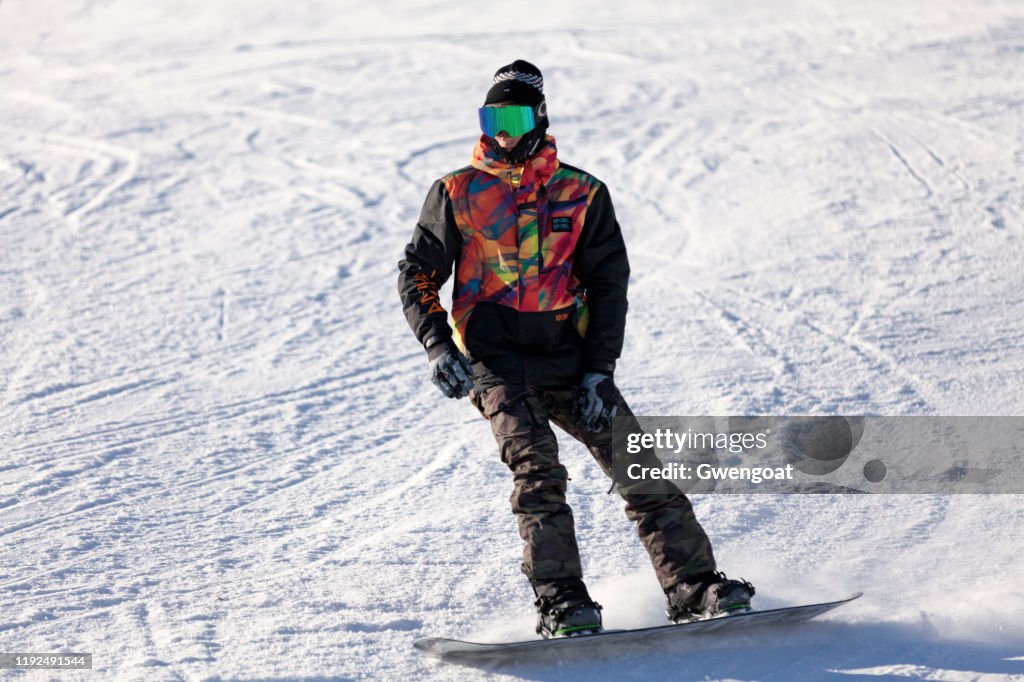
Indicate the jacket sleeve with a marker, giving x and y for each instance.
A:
(428, 262)
(602, 268)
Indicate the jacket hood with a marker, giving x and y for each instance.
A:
(537, 168)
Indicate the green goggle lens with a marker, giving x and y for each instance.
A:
(515, 120)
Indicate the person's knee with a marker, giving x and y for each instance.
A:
(540, 490)
(525, 456)
(646, 504)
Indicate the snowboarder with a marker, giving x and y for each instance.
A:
(539, 309)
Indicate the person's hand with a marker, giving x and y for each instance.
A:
(595, 402)
(451, 371)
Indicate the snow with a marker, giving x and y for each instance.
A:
(222, 457)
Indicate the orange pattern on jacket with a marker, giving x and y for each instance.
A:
(520, 225)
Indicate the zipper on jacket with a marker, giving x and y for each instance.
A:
(514, 187)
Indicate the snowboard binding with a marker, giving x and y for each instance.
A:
(708, 595)
(565, 609)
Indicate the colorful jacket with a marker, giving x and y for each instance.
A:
(540, 270)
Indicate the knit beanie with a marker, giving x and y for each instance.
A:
(519, 82)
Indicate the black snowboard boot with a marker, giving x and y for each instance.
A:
(708, 595)
(565, 609)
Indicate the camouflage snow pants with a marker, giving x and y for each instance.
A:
(520, 417)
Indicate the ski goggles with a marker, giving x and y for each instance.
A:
(514, 119)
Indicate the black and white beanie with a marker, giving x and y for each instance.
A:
(519, 82)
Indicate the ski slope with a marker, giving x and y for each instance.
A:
(221, 457)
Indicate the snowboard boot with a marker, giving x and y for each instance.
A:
(708, 595)
(565, 609)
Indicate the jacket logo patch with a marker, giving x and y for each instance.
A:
(561, 317)
(561, 224)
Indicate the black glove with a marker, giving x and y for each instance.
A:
(450, 370)
(595, 402)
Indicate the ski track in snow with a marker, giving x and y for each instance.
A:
(222, 456)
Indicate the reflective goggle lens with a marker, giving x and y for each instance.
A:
(515, 120)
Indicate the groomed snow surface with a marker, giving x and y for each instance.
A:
(221, 457)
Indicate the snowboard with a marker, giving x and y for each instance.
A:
(458, 650)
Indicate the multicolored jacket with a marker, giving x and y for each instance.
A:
(540, 270)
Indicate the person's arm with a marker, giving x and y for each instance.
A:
(428, 262)
(602, 268)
